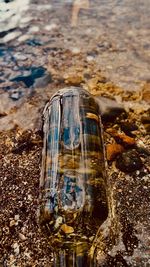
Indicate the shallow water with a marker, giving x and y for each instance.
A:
(112, 38)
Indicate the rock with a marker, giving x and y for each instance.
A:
(73, 78)
(75, 50)
(22, 237)
(23, 38)
(16, 217)
(51, 27)
(15, 94)
(34, 29)
(128, 128)
(11, 36)
(121, 138)
(12, 223)
(67, 229)
(112, 150)
(16, 248)
(58, 222)
(110, 109)
(29, 197)
(129, 161)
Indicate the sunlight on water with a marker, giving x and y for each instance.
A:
(11, 14)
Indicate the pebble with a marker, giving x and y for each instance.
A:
(128, 128)
(24, 37)
(112, 150)
(22, 237)
(67, 229)
(75, 50)
(50, 27)
(34, 29)
(121, 138)
(15, 95)
(16, 248)
(58, 222)
(25, 20)
(129, 161)
(12, 223)
(16, 217)
(30, 197)
(10, 36)
(73, 78)
(90, 58)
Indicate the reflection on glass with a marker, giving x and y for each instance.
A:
(73, 188)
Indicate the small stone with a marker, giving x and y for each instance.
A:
(34, 29)
(51, 27)
(22, 237)
(128, 128)
(121, 138)
(73, 78)
(90, 58)
(29, 197)
(16, 248)
(75, 50)
(112, 150)
(12, 223)
(16, 217)
(10, 36)
(91, 238)
(15, 95)
(24, 37)
(58, 222)
(129, 161)
(67, 229)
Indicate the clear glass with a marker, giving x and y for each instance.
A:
(73, 181)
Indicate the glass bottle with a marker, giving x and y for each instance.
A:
(73, 199)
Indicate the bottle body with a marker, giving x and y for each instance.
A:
(73, 201)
